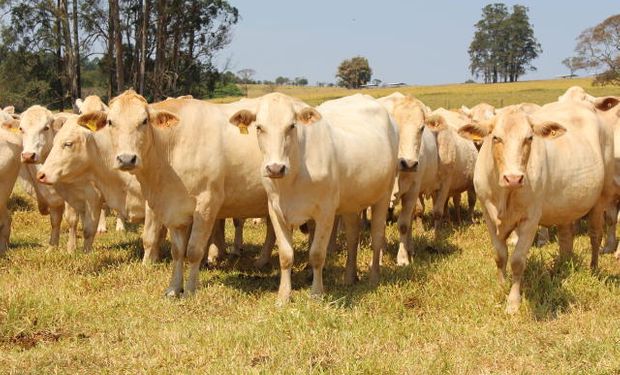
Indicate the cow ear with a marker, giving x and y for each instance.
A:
(58, 123)
(606, 103)
(11, 125)
(435, 123)
(549, 130)
(164, 119)
(79, 103)
(9, 110)
(242, 120)
(466, 111)
(308, 116)
(475, 131)
(93, 120)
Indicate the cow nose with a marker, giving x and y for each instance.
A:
(28, 157)
(276, 170)
(41, 177)
(407, 165)
(514, 180)
(127, 161)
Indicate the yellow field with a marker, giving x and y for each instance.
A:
(105, 312)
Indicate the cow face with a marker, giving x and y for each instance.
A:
(68, 158)
(276, 122)
(130, 122)
(411, 123)
(38, 127)
(511, 136)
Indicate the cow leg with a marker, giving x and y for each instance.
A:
(311, 226)
(285, 252)
(499, 244)
(56, 220)
(595, 230)
(238, 244)
(205, 219)
(456, 199)
(151, 237)
(439, 205)
(72, 219)
(471, 202)
(611, 219)
(565, 238)
(352, 232)
(408, 202)
(217, 244)
(101, 225)
(178, 237)
(377, 235)
(318, 251)
(513, 238)
(526, 232)
(331, 247)
(90, 219)
(543, 236)
(270, 240)
(120, 225)
(5, 229)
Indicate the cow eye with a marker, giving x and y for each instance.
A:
(421, 129)
(46, 128)
(291, 126)
(144, 122)
(259, 129)
(530, 138)
(109, 122)
(497, 139)
(68, 144)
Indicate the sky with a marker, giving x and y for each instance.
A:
(416, 42)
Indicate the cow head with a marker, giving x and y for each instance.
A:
(276, 122)
(510, 136)
(411, 123)
(91, 103)
(68, 157)
(130, 121)
(38, 126)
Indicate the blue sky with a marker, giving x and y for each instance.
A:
(417, 42)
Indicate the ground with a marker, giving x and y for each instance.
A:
(105, 312)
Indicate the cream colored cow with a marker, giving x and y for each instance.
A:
(550, 168)
(38, 127)
(10, 149)
(479, 112)
(193, 168)
(316, 163)
(91, 103)
(418, 163)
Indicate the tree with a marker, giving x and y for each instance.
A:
(504, 44)
(354, 73)
(301, 81)
(377, 82)
(573, 64)
(282, 81)
(246, 77)
(599, 49)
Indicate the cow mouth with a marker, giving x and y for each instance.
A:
(275, 176)
(408, 169)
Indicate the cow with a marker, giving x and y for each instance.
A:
(38, 127)
(457, 159)
(418, 163)
(551, 168)
(10, 150)
(315, 165)
(91, 103)
(80, 157)
(193, 168)
(479, 112)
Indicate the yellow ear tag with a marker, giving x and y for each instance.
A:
(92, 125)
(243, 129)
(13, 130)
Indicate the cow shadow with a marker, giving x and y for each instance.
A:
(241, 274)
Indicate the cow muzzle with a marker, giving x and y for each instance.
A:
(513, 180)
(275, 170)
(407, 165)
(126, 162)
(29, 157)
(42, 178)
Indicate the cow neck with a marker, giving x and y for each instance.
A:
(157, 172)
(102, 167)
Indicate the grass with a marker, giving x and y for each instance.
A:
(105, 313)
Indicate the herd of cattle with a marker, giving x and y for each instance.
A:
(183, 166)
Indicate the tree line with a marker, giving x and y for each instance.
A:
(159, 48)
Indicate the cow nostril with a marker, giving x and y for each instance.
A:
(40, 176)
(133, 159)
(521, 179)
(281, 170)
(415, 164)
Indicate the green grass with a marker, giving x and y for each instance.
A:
(105, 313)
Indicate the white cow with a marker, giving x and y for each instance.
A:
(10, 149)
(336, 159)
(418, 163)
(38, 127)
(551, 167)
(193, 168)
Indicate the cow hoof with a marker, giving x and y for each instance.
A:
(350, 279)
(236, 252)
(617, 255)
(173, 293)
(282, 301)
(512, 308)
(606, 250)
(51, 248)
(374, 278)
(102, 230)
(261, 263)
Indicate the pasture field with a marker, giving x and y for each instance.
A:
(105, 312)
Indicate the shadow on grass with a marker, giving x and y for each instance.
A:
(20, 203)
